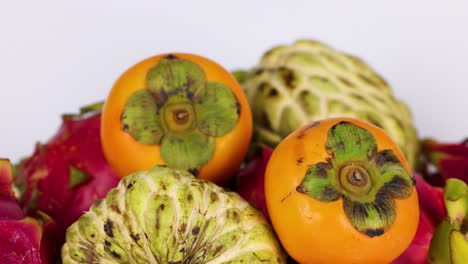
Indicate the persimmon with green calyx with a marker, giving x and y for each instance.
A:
(180, 110)
(340, 191)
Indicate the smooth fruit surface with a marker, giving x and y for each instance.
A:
(341, 198)
(181, 110)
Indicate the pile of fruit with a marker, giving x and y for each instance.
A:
(308, 157)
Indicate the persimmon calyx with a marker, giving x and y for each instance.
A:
(367, 180)
(181, 111)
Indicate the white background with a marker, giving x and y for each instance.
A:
(57, 56)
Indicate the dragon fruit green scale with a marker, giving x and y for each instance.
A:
(308, 81)
(169, 216)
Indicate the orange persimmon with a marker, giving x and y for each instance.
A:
(182, 110)
(340, 191)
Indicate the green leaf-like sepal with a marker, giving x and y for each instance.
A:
(174, 76)
(456, 199)
(188, 151)
(77, 177)
(318, 183)
(348, 142)
(218, 111)
(393, 177)
(141, 118)
(373, 218)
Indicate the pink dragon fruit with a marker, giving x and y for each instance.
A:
(249, 182)
(449, 159)
(65, 176)
(432, 212)
(23, 239)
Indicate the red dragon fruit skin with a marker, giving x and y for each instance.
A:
(9, 208)
(450, 160)
(65, 176)
(250, 180)
(432, 212)
(20, 242)
(23, 239)
(417, 252)
(432, 200)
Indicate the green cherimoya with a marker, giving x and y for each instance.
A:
(169, 216)
(308, 81)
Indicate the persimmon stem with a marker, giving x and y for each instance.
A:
(354, 179)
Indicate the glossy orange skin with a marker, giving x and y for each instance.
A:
(318, 232)
(126, 155)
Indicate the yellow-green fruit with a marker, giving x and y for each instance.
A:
(449, 243)
(169, 216)
(308, 81)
